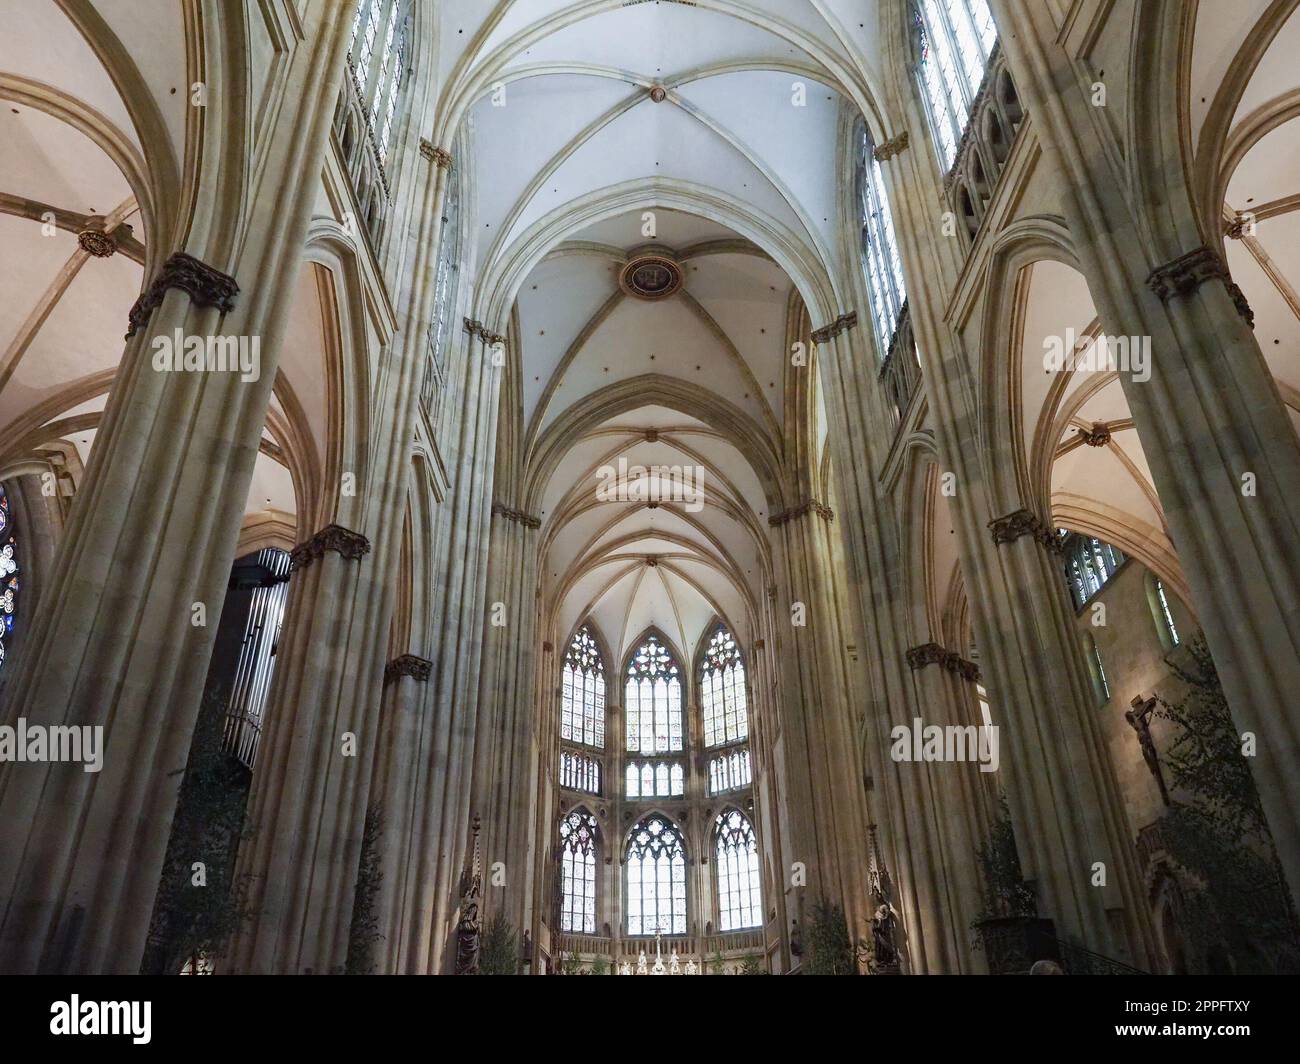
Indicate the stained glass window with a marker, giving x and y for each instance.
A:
(953, 41)
(1166, 614)
(1089, 564)
(8, 575)
(722, 691)
(582, 709)
(445, 291)
(380, 82)
(578, 873)
(727, 772)
(579, 773)
(1092, 655)
(739, 897)
(656, 879)
(652, 700)
(646, 779)
(880, 258)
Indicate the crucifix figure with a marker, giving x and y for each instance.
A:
(1140, 719)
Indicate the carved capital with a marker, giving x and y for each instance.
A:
(1022, 522)
(808, 506)
(518, 516)
(841, 324)
(1097, 436)
(893, 146)
(477, 328)
(934, 654)
(925, 654)
(206, 287)
(1187, 273)
(342, 541)
(417, 668)
(440, 157)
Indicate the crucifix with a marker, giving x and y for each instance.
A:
(1139, 717)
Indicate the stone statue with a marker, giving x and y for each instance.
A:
(1139, 717)
(882, 936)
(467, 928)
(467, 940)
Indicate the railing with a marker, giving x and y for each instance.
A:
(900, 373)
(434, 386)
(700, 947)
(996, 116)
(356, 138)
(1079, 961)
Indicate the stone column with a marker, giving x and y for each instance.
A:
(961, 795)
(460, 570)
(903, 804)
(152, 532)
(406, 683)
(310, 796)
(1223, 453)
(506, 759)
(825, 802)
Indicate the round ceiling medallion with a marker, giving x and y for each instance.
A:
(650, 276)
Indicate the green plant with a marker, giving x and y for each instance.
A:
(829, 949)
(201, 902)
(1005, 891)
(499, 953)
(600, 966)
(751, 966)
(364, 930)
(1216, 829)
(717, 966)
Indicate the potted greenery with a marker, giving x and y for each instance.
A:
(1009, 930)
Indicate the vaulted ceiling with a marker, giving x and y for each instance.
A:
(708, 134)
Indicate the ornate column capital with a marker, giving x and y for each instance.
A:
(342, 541)
(500, 509)
(440, 157)
(206, 286)
(926, 654)
(1187, 273)
(416, 668)
(1023, 522)
(839, 325)
(895, 145)
(808, 506)
(934, 654)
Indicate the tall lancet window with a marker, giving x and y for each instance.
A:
(739, 896)
(582, 708)
(578, 873)
(652, 700)
(952, 40)
(880, 258)
(656, 879)
(378, 52)
(8, 575)
(722, 692)
(445, 294)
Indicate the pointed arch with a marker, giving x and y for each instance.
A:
(735, 848)
(583, 691)
(579, 860)
(654, 694)
(655, 859)
(723, 696)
